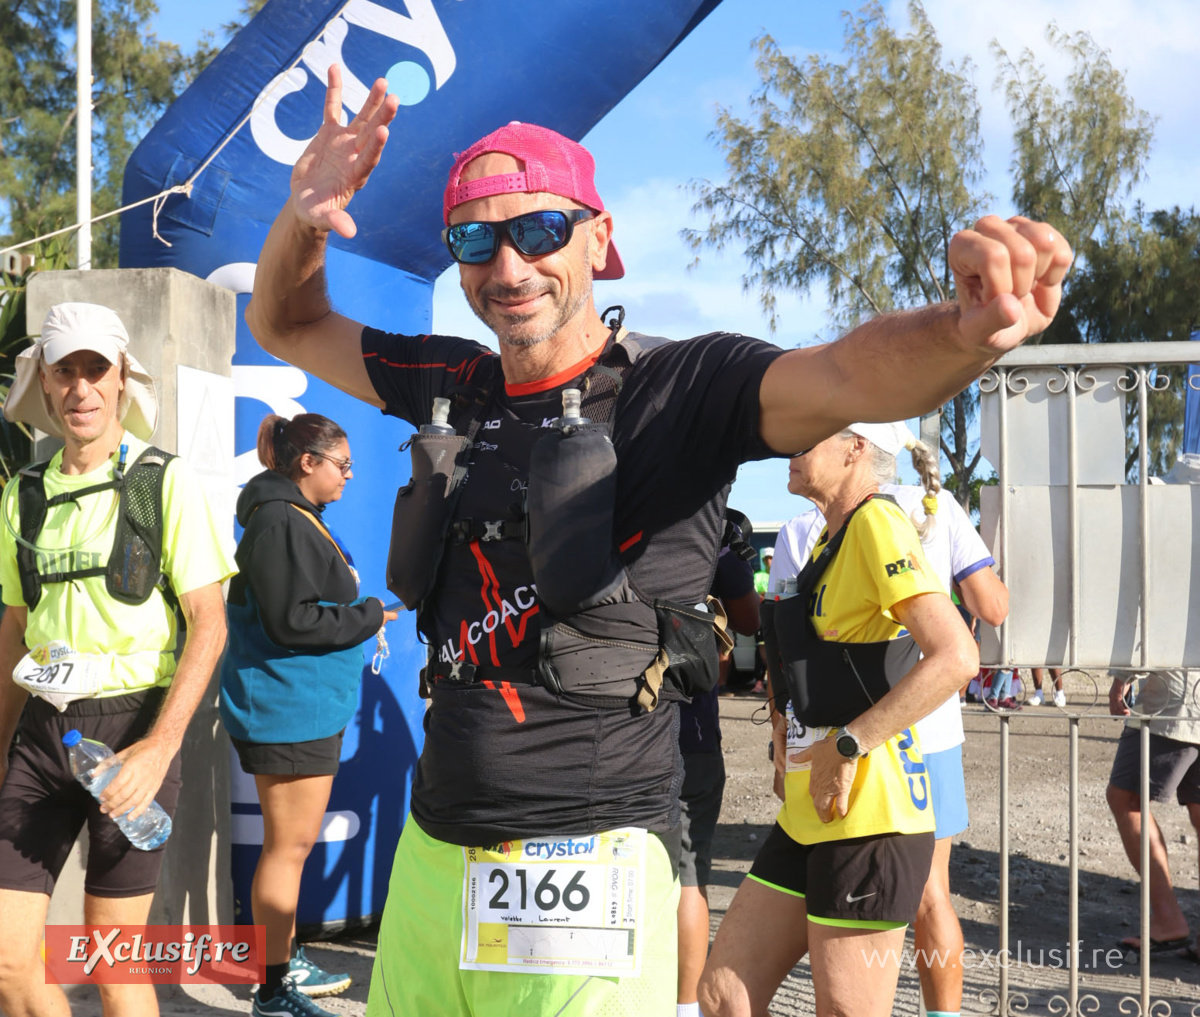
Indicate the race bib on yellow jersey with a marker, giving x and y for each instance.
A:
(566, 905)
(59, 675)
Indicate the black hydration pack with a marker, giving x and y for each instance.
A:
(134, 567)
(602, 639)
(829, 683)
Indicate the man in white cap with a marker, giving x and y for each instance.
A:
(100, 548)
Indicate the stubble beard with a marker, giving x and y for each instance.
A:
(508, 328)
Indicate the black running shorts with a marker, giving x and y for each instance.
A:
(865, 882)
(43, 807)
(316, 758)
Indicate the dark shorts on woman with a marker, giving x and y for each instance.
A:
(43, 807)
(864, 882)
(317, 758)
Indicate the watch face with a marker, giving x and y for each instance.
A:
(847, 746)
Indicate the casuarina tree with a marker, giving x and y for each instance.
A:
(852, 175)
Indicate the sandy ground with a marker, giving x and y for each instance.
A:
(1038, 796)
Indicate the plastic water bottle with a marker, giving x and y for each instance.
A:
(151, 828)
(441, 418)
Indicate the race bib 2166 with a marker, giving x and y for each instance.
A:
(557, 905)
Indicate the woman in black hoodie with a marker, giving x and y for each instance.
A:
(290, 676)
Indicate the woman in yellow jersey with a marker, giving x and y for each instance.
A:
(870, 644)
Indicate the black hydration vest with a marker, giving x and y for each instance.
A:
(829, 683)
(134, 567)
(602, 639)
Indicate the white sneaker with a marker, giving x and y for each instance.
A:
(1036, 698)
(1060, 698)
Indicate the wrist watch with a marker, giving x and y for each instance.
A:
(847, 743)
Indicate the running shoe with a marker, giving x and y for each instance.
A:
(1036, 699)
(1008, 703)
(313, 980)
(1060, 698)
(287, 1002)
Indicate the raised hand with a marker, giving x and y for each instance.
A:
(340, 158)
(1008, 275)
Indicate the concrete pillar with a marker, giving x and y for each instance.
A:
(182, 330)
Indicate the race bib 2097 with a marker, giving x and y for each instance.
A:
(59, 675)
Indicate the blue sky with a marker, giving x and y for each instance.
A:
(656, 141)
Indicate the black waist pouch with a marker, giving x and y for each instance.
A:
(421, 516)
(603, 651)
(572, 493)
(686, 636)
(631, 652)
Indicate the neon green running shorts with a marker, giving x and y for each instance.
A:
(417, 969)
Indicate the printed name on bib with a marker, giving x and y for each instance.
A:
(557, 905)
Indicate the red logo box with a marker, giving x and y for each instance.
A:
(155, 954)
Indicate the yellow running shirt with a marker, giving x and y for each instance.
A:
(140, 637)
(879, 564)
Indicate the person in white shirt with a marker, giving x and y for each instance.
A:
(963, 562)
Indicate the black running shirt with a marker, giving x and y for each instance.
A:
(517, 761)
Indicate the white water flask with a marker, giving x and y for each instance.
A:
(152, 828)
(440, 422)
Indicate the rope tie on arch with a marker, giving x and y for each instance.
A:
(160, 199)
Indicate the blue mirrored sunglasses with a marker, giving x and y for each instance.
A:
(534, 233)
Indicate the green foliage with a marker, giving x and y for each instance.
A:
(15, 449)
(1078, 151)
(136, 76)
(853, 173)
(1144, 286)
(854, 176)
(850, 175)
(970, 499)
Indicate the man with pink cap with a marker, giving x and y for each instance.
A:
(536, 876)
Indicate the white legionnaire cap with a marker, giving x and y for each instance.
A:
(893, 438)
(69, 328)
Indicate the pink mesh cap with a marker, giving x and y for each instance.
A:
(552, 163)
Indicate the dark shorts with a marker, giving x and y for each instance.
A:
(866, 882)
(43, 807)
(699, 806)
(1174, 768)
(318, 758)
